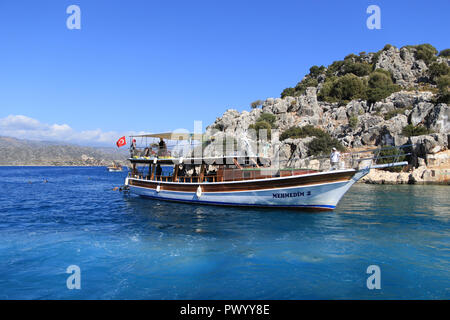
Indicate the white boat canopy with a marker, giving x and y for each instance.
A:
(172, 136)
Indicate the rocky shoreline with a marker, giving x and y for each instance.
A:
(414, 114)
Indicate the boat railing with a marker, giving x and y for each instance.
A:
(353, 160)
(150, 151)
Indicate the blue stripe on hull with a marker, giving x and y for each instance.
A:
(328, 207)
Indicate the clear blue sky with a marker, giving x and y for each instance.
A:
(160, 65)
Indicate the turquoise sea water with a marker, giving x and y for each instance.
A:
(133, 248)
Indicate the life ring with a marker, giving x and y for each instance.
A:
(158, 188)
(199, 191)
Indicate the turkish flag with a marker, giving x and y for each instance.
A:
(121, 142)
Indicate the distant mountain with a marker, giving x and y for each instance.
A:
(18, 152)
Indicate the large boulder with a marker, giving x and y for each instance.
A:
(286, 120)
(370, 128)
(427, 144)
(281, 105)
(402, 64)
(356, 107)
(391, 131)
(340, 114)
(309, 107)
(402, 99)
(438, 119)
(420, 112)
(383, 106)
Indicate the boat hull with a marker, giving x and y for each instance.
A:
(316, 191)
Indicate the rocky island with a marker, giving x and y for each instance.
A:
(393, 97)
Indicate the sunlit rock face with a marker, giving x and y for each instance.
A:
(357, 124)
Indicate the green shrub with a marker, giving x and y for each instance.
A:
(288, 92)
(391, 155)
(443, 84)
(348, 87)
(315, 71)
(300, 88)
(386, 72)
(380, 86)
(444, 53)
(302, 132)
(411, 131)
(375, 57)
(261, 125)
(426, 52)
(323, 145)
(256, 104)
(324, 93)
(353, 122)
(334, 67)
(343, 89)
(351, 56)
(267, 117)
(438, 69)
(357, 68)
(309, 81)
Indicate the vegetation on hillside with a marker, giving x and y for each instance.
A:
(355, 77)
(321, 144)
(443, 84)
(380, 86)
(256, 104)
(411, 130)
(302, 132)
(269, 118)
(259, 127)
(425, 52)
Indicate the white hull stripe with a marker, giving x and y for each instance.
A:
(240, 204)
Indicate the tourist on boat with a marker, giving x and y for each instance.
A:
(162, 147)
(133, 148)
(158, 170)
(334, 158)
(181, 170)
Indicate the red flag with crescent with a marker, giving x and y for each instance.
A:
(121, 142)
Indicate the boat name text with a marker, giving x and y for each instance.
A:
(291, 194)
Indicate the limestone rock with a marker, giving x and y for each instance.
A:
(438, 118)
(309, 107)
(402, 64)
(420, 112)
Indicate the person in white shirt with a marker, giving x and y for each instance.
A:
(334, 158)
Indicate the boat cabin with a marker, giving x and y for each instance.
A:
(163, 161)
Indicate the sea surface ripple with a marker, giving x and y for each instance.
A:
(133, 248)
